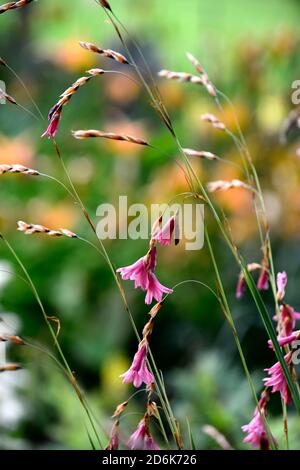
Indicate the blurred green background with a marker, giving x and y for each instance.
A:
(251, 52)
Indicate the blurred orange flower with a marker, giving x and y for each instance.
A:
(16, 150)
(71, 57)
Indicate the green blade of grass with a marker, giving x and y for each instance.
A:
(192, 442)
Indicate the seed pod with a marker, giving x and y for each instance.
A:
(195, 63)
(30, 229)
(90, 46)
(181, 76)
(16, 340)
(212, 119)
(87, 134)
(200, 154)
(221, 185)
(10, 367)
(16, 168)
(95, 72)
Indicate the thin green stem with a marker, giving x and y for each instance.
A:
(53, 334)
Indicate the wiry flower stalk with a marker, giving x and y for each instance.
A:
(158, 105)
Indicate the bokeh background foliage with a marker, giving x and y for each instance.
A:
(251, 51)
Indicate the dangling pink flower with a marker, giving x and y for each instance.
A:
(281, 284)
(138, 372)
(288, 320)
(277, 380)
(164, 235)
(155, 289)
(263, 280)
(138, 271)
(53, 126)
(284, 340)
(257, 435)
(136, 440)
(141, 439)
(241, 287)
(141, 272)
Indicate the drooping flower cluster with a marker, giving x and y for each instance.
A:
(142, 272)
(276, 381)
(286, 322)
(139, 373)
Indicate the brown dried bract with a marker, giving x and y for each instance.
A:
(105, 4)
(120, 408)
(155, 309)
(87, 134)
(148, 328)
